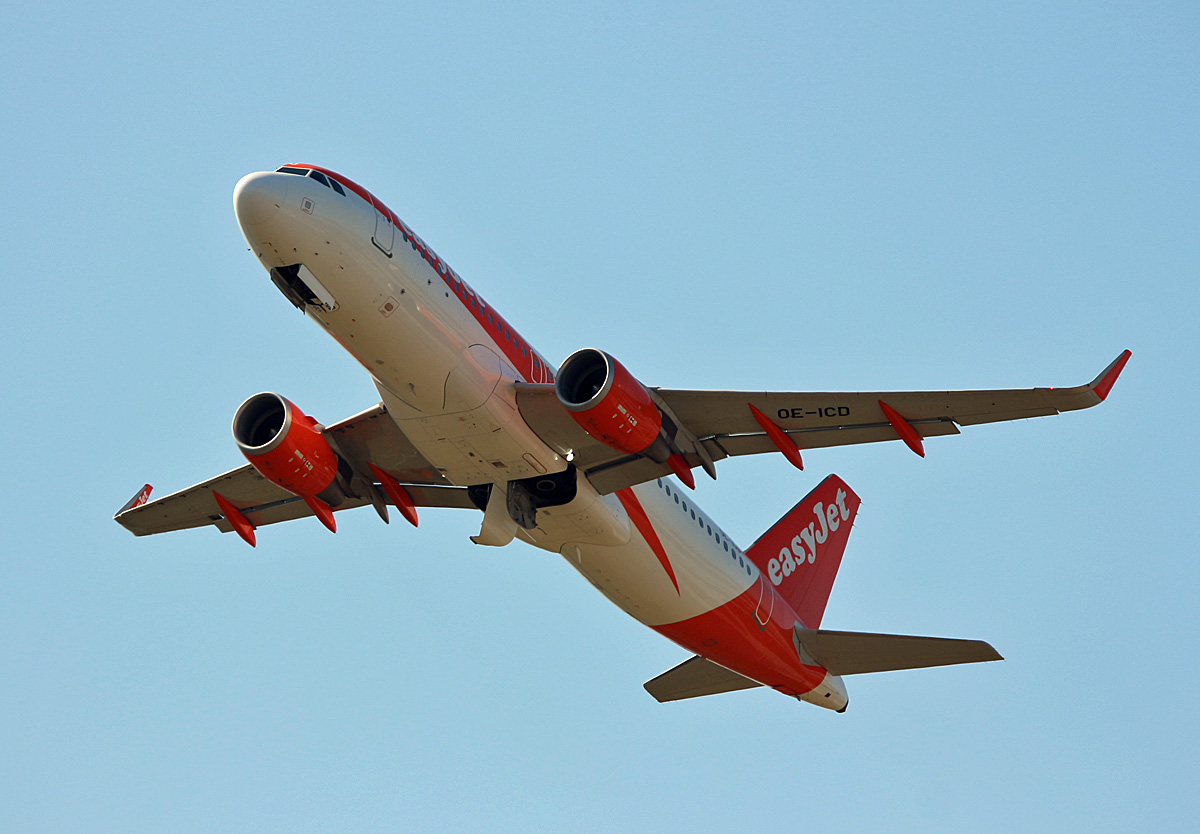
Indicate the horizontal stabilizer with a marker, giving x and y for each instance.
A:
(694, 678)
(857, 653)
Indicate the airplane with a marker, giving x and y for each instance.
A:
(582, 460)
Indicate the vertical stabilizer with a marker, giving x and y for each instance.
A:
(801, 553)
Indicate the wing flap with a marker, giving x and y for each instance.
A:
(755, 444)
(292, 507)
(709, 413)
(696, 678)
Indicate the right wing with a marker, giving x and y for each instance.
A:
(370, 437)
(724, 425)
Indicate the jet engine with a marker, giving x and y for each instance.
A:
(286, 446)
(610, 404)
(613, 407)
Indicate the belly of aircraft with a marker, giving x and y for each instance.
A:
(632, 575)
(451, 394)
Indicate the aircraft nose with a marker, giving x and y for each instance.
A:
(257, 197)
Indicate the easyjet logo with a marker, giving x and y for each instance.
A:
(804, 544)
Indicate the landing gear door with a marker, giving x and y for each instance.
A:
(385, 233)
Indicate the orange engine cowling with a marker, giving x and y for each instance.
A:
(610, 404)
(285, 445)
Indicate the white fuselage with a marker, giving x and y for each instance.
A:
(445, 363)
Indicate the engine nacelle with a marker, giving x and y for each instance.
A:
(286, 447)
(610, 404)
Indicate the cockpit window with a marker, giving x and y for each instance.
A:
(328, 182)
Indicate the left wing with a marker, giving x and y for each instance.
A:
(370, 437)
(724, 424)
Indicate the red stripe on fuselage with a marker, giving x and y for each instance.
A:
(530, 364)
(637, 514)
(752, 635)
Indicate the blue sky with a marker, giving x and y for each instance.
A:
(781, 196)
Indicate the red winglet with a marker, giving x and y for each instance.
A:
(241, 524)
(138, 500)
(779, 437)
(1108, 377)
(903, 428)
(682, 470)
(322, 511)
(397, 493)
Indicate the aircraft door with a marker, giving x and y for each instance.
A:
(385, 233)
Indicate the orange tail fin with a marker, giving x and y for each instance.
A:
(801, 553)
